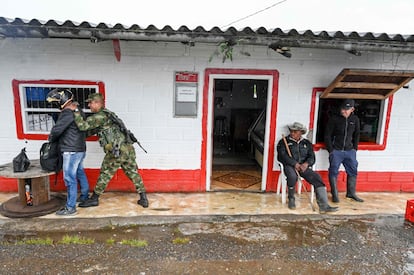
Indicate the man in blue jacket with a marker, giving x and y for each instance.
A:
(73, 147)
(341, 140)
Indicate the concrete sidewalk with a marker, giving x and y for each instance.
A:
(189, 206)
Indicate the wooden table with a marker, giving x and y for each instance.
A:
(43, 201)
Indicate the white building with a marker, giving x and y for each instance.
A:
(190, 97)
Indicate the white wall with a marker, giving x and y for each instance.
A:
(139, 89)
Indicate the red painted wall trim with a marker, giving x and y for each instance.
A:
(273, 112)
(117, 49)
(17, 109)
(154, 181)
(362, 145)
(189, 181)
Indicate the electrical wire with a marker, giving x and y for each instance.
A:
(253, 14)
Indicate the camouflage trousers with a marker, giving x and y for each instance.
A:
(111, 164)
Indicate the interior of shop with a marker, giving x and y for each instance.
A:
(238, 133)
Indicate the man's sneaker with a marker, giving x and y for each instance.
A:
(66, 212)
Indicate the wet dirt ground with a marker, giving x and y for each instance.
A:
(365, 245)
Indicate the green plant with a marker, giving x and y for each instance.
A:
(181, 241)
(47, 241)
(75, 240)
(134, 242)
(110, 241)
(225, 49)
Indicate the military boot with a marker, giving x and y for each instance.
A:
(92, 201)
(334, 189)
(143, 201)
(350, 189)
(322, 200)
(291, 198)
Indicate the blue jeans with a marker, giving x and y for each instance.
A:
(72, 172)
(347, 158)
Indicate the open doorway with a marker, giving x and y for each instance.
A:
(238, 133)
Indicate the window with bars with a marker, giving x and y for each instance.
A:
(34, 115)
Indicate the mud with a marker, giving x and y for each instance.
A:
(380, 245)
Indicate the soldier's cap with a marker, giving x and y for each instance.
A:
(95, 96)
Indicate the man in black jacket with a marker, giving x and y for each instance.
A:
(341, 140)
(297, 156)
(73, 147)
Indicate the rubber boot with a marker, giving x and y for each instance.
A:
(322, 199)
(334, 190)
(291, 198)
(350, 189)
(143, 201)
(92, 201)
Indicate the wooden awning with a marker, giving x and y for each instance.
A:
(367, 84)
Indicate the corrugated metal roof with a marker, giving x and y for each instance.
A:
(276, 37)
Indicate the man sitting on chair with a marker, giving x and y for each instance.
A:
(297, 156)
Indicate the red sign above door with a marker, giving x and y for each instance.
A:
(186, 77)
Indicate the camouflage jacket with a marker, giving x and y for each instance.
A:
(109, 133)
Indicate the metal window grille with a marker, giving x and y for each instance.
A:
(39, 116)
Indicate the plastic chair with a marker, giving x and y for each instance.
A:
(282, 185)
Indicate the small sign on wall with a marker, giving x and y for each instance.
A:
(185, 94)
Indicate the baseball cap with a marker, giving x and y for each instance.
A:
(348, 104)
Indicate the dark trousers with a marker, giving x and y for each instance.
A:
(309, 175)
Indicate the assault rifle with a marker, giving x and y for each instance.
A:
(130, 137)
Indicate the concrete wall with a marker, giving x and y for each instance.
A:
(140, 87)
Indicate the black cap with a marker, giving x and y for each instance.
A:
(348, 104)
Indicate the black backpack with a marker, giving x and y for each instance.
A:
(51, 159)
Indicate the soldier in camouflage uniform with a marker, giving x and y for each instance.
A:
(119, 151)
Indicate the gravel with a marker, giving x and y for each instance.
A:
(340, 245)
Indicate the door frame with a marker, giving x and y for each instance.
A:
(208, 112)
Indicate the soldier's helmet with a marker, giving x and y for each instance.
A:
(60, 96)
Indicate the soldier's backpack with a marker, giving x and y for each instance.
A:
(130, 137)
(51, 158)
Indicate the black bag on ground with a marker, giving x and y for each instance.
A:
(21, 162)
(51, 159)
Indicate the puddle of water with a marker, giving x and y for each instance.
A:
(148, 233)
(304, 233)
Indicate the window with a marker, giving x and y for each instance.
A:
(373, 115)
(35, 117)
